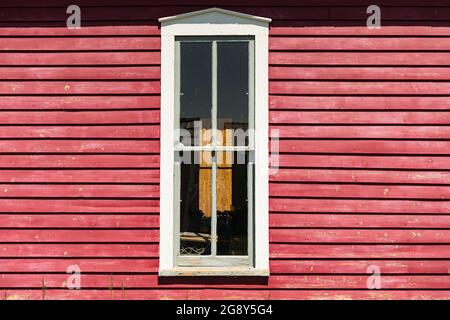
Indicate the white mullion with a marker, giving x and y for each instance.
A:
(213, 151)
(251, 94)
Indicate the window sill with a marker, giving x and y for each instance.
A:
(213, 271)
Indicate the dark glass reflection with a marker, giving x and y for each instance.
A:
(195, 86)
(232, 204)
(195, 204)
(232, 87)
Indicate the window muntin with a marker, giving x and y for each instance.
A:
(214, 152)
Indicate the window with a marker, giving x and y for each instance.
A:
(214, 144)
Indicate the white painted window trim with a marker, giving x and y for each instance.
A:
(214, 22)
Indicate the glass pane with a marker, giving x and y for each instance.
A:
(232, 89)
(195, 203)
(195, 88)
(232, 203)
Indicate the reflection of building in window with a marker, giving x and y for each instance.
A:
(224, 174)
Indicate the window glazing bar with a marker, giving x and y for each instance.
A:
(214, 157)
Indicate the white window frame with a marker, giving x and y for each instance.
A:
(215, 22)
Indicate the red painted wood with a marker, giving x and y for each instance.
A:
(85, 265)
(277, 266)
(353, 103)
(80, 58)
(355, 191)
(79, 146)
(82, 117)
(117, 30)
(79, 161)
(74, 43)
(358, 88)
(79, 176)
(82, 73)
(359, 266)
(149, 131)
(358, 236)
(279, 282)
(78, 102)
(308, 73)
(65, 205)
(332, 220)
(354, 43)
(361, 132)
(361, 58)
(72, 87)
(361, 176)
(366, 161)
(80, 250)
(79, 191)
(404, 14)
(79, 221)
(253, 3)
(372, 206)
(359, 251)
(372, 146)
(221, 294)
(359, 117)
(361, 31)
(85, 236)
(127, 14)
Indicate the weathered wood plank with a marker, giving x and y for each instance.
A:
(355, 191)
(79, 87)
(148, 131)
(79, 102)
(85, 236)
(79, 221)
(360, 58)
(80, 117)
(79, 146)
(336, 220)
(361, 132)
(80, 176)
(357, 73)
(79, 191)
(359, 236)
(354, 43)
(357, 88)
(279, 282)
(86, 265)
(359, 206)
(362, 176)
(413, 163)
(368, 146)
(79, 161)
(75, 43)
(360, 251)
(80, 250)
(354, 103)
(65, 205)
(223, 294)
(359, 117)
(82, 73)
(80, 58)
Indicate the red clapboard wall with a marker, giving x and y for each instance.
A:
(364, 173)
